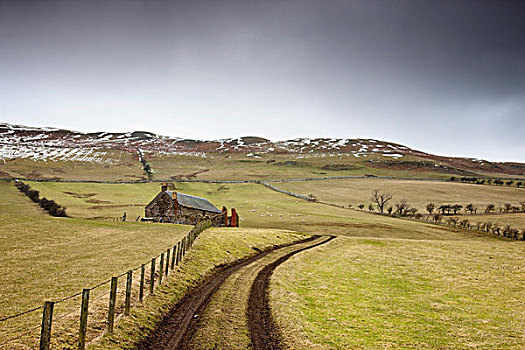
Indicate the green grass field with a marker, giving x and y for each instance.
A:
(257, 206)
(385, 283)
(46, 258)
(397, 294)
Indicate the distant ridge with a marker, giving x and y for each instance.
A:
(47, 143)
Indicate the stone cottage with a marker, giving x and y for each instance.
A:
(179, 208)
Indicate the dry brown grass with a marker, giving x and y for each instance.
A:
(417, 193)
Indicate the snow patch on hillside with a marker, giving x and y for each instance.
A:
(54, 154)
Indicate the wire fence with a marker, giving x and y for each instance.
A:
(76, 320)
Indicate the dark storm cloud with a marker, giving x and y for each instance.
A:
(443, 76)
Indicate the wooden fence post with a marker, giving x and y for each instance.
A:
(178, 253)
(129, 281)
(173, 256)
(112, 302)
(84, 310)
(152, 277)
(141, 287)
(167, 261)
(161, 268)
(47, 320)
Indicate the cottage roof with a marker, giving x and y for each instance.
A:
(194, 202)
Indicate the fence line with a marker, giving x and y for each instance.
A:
(287, 192)
(239, 181)
(127, 289)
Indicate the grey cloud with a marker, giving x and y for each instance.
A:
(443, 76)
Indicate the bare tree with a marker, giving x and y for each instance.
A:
(412, 211)
(430, 208)
(401, 207)
(456, 207)
(445, 207)
(470, 208)
(380, 199)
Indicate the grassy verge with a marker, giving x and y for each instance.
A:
(215, 247)
(394, 294)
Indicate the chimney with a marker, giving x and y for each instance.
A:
(164, 187)
(235, 218)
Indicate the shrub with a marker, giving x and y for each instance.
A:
(48, 205)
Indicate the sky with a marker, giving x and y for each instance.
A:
(446, 77)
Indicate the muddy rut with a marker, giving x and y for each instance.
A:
(264, 333)
(179, 328)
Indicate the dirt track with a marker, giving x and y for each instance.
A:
(179, 327)
(264, 332)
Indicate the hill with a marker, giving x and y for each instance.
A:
(47, 148)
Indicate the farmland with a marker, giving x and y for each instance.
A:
(376, 258)
(50, 258)
(382, 293)
(418, 194)
(257, 205)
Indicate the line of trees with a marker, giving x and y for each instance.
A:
(453, 209)
(497, 182)
(402, 209)
(489, 227)
(48, 205)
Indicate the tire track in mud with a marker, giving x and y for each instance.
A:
(264, 332)
(177, 327)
